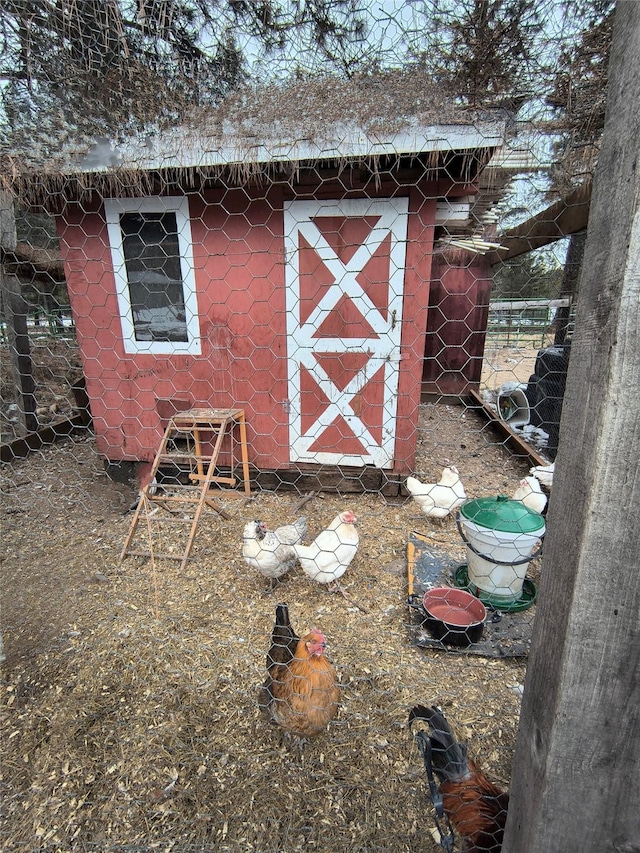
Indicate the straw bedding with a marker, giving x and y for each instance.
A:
(130, 719)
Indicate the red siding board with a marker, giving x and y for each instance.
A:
(456, 328)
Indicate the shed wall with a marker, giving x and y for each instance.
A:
(456, 326)
(239, 262)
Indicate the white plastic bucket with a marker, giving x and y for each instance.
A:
(497, 560)
(513, 407)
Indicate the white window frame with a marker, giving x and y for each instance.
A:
(179, 205)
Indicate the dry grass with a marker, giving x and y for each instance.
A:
(130, 720)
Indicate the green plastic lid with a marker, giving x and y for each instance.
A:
(502, 513)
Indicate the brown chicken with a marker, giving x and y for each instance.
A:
(301, 692)
(475, 807)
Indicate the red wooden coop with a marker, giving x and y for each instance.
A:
(291, 270)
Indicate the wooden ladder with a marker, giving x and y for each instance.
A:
(192, 441)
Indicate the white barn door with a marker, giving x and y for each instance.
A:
(345, 265)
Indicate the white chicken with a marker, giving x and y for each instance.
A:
(530, 493)
(289, 534)
(439, 499)
(271, 551)
(326, 559)
(544, 473)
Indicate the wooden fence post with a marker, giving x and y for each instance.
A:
(570, 279)
(575, 785)
(15, 314)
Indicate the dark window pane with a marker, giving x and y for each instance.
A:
(152, 259)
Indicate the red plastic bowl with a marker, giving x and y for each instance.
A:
(454, 616)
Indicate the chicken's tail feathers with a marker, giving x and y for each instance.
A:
(282, 615)
(438, 744)
(283, 639)
(283, 632)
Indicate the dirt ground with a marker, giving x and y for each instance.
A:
(130, 718)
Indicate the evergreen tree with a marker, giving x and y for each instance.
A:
(485, 50)
(578, 93)
(105, 67)
(529, 276)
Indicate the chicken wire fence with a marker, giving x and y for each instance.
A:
(341, 282)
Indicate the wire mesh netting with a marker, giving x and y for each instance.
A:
(335, 290)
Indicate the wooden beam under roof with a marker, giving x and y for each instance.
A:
(564, 217)
(32, 262)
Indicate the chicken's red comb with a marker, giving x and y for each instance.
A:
(317, 635)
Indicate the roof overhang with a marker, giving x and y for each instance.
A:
(177, 149)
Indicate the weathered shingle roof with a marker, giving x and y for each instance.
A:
(327, 119)
(258, 131)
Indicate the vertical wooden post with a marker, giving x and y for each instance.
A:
(575, 783)
(15, 313)
(570, 278)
